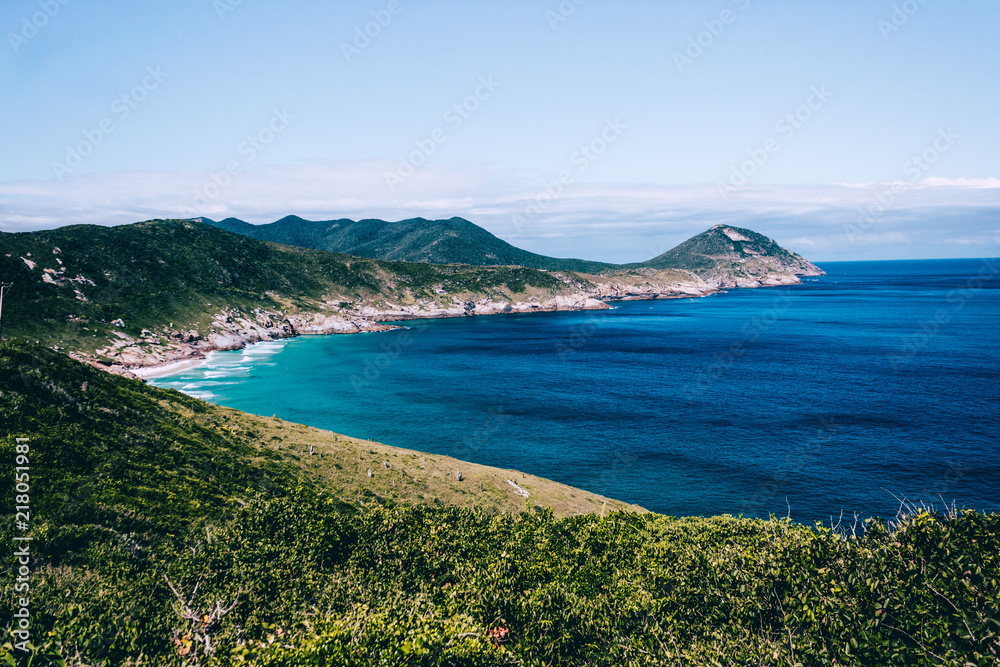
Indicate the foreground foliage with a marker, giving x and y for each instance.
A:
(311, 584)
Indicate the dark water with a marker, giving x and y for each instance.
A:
(877, 382)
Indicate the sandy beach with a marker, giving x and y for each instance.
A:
(147, 372)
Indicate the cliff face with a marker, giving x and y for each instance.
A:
(727, 256)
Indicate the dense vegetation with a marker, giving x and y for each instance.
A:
(167, 533)
(71, 283)
(453, 241)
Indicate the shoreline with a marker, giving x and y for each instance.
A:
(152, 372)
(319, 323)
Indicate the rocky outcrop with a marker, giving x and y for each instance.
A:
(317, 324)
(642, 284)
(230, 330)
(233, 330)
(482, 306)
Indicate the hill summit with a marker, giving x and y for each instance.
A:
(733, 256)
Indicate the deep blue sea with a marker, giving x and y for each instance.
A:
(849, 393)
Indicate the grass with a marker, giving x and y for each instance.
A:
(340, 465)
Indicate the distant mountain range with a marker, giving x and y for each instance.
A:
(722, 253)
(452, 241)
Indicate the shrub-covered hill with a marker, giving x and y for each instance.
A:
(171, 532)
(732, 253)
(452, 241)
(71, 283)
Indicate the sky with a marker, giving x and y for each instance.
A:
(604, 130)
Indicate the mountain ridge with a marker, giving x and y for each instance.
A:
(457, 240)
(451, 241)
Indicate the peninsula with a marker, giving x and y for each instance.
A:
(153, 294)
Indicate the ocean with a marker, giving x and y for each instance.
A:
(874, 385)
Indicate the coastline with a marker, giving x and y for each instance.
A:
(154, 355)
(374, 320)
(152, 372)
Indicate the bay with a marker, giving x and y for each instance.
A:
(852, 392)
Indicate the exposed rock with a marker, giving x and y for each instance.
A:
(518, 490)
(321, 323)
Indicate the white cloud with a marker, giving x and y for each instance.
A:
(606, 222)
(937, 181)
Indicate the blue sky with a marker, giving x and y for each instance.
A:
(605, 130)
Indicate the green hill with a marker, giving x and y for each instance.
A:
(731, 253)
(728, 256)
(167, 531)
(168, 280)
(452, 241)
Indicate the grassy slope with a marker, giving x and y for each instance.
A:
(129, 447)
(453, 241)
(159, 272)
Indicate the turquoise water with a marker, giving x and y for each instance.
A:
(874, 383)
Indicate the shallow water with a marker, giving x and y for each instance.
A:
(874, 383)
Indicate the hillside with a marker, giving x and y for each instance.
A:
(733, 257)
(133, 449)
(163, 291)
(452, 241)
(160, 290)
(167, 531)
